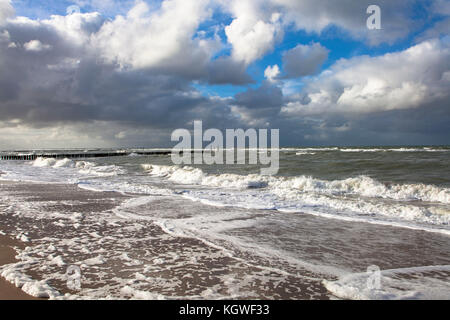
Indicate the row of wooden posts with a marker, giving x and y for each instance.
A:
(31, 157)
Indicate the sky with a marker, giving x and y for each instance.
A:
(109, 73)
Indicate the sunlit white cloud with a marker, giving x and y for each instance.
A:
(272, 72)
(253, 31)
(162, 39)
(408, 79)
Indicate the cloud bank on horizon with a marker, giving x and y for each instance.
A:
(127, 73)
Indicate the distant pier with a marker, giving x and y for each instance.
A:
(80, 155)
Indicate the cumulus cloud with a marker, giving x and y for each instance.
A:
(54, 71)
(253, 31)
(304, 60)
(91, 80)
(70, 85)
(315, 16)
(408, 79)
(272, 72)
(253, 18)
(36, 45)
(166, 40)
(161, 39)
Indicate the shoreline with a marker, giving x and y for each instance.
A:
(139, 259)
(160, 254)
(9, 291)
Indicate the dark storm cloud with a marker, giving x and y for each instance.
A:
(263, 102)
(131, 78)
(304, 60)
(225, 70)
(50, 75)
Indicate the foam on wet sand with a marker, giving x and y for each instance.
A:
(167, 247)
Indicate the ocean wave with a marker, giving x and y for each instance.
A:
(344, 208)
(302, 153)
(361, 198)
(362, 150)
(190, 175)
(83, 167)
(52, 162)
(425, 149)
(310, 149)
(293, 186)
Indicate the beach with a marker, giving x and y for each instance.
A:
(119, 254)
(196, 150)
(160, 246)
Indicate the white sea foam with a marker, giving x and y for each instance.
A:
(141, 295)
(360, 186)
(362, 150)
(302, 153)
(406, 149)
(44, 162)
(102, 171)
(310, 149)
(356, 199)
(393, 214)
(94, 261)
(64, 163)
(360, 197)
(189, 175)
(355, 149)
(84, 167)
(395, 284)
(50, 170)
(38, 289)
(123, 187)
(425, 149)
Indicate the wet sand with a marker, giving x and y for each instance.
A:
(135, 258)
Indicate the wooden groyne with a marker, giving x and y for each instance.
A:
(82, 155)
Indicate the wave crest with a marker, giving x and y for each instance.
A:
(288, 186)
(83, 167)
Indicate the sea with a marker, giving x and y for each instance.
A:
(334, 223)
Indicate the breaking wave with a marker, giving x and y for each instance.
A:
(358, 186)
(83, 167)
